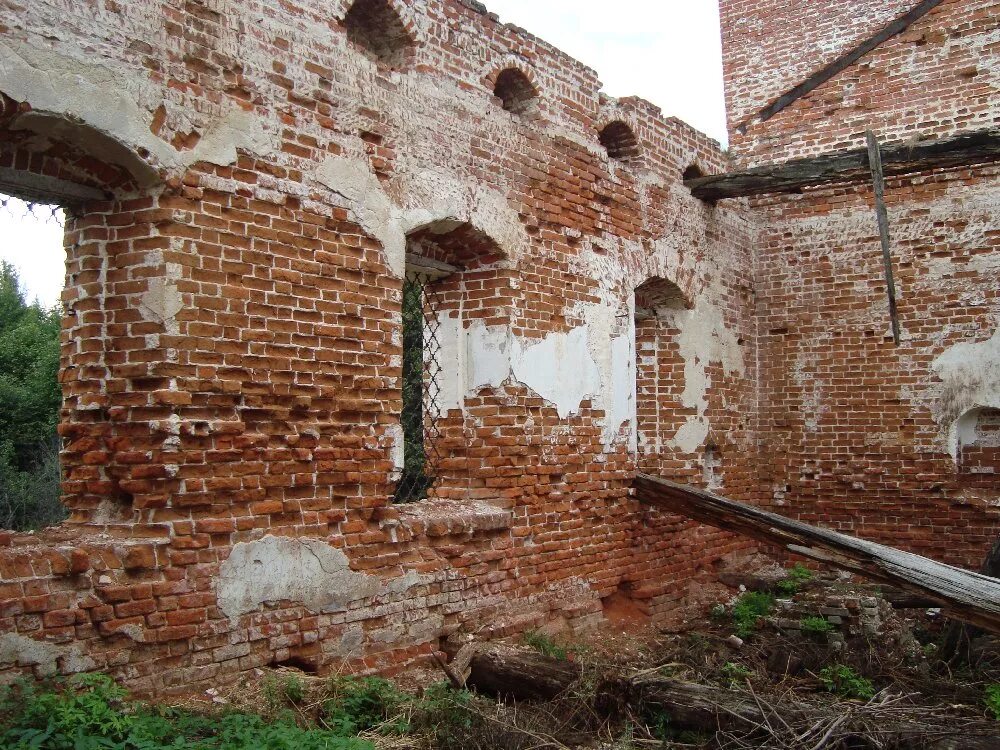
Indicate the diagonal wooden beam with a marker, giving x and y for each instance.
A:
(840, 64)
(878, 180)
(975, 147)
(971, 597)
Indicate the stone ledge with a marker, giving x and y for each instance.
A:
(437, 518)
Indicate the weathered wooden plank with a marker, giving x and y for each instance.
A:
(44, 189)
(898, 158)
(875, 161)
(841, 63)
(971, 597)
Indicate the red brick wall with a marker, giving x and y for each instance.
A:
(855, 433)
(232, 355)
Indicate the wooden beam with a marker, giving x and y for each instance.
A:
(971, 597)
(841, 63)
(875, 161)
(975, 147)
(40, 188)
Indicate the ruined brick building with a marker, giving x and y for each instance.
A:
(250, 185)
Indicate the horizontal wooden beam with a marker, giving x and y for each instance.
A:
(971, 597)
(40, 188)
(842, 62)
(975, 147)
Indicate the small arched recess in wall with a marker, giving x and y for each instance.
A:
(379, 30)
(659, 372)
(516, 91)
(620, 142)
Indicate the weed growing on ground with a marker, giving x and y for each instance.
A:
(91, 712)
(815, 625)
(735, 674)
(749, 608)
(361, 704)
(845, 682)
(993, 700)
(795, 577)
(544, 645)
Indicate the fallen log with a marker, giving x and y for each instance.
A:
(967, 596)
(521, 675)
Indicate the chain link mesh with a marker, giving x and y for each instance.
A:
(20, 210)
(422, 370)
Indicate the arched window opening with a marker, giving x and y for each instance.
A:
(447, 266)
(375, 27)
(32, 275)
(619, 141)
(659, 370)
(515, 92)
(54, 169)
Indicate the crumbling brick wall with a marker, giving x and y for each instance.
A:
(855, 432)
(232, 349)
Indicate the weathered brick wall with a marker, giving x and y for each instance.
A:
(232, 349)
(855, 432)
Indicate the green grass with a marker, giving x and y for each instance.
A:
(360, 704)
(749, 608)
(91, 712)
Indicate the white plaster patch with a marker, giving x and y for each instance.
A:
(488, 356)
(970, 377)
(283, 568)
(559, 368)
(451, 358)
(703, 338)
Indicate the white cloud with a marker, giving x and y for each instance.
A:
(666, 51)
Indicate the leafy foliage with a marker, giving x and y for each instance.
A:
(362, 704)
(993, 700)
(30, 400)
(544, 645)
(845, 682)
(91, 712)
(749, 608)
(795, 578)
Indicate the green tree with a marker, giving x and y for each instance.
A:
(30, 399)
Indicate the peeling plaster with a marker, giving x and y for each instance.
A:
(559, 368)
(703, 339)
(118, 103)
(970, 376)
(25, 652)
(418, 199)
(284, 568)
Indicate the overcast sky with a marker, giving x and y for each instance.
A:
(666, 51)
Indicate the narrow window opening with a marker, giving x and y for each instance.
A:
(375, 27)
(422, 370)
(620, 142)
(515, 92)
(659, 373)
(32, 274)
